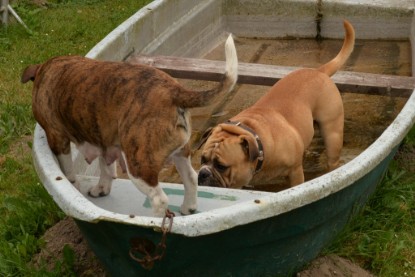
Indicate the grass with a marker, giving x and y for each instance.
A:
(15, 122)
(381, 238)
(63, 27)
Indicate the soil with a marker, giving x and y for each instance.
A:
(333, 265)
(64, 233)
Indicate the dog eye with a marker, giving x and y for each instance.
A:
(220, 167)
(203, 160)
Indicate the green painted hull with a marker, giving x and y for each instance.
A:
(274, 246)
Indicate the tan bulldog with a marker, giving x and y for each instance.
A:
(268, 139)
(113, 111)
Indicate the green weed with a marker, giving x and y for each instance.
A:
(15, 121)
(410, 138)
(25, 217)
(381, 237)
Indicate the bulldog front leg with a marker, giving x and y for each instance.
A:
(296, 176)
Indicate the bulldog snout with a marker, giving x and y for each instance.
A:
(204, 176)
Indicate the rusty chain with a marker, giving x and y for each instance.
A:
(145, 247)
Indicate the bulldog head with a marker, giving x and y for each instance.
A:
(229, 158)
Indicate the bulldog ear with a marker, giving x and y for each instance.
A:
(204, 137)
(249, 145)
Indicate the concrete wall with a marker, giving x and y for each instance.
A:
(372, 19)
(190, 28)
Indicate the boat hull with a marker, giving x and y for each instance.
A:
(274, 246)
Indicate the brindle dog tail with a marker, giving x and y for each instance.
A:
(189, 99)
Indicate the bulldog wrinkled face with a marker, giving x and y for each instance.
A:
(225, 161)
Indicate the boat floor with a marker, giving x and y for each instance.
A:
(126, 199)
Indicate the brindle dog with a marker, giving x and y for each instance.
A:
(132, 113)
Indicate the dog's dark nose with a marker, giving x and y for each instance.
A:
(204, 174)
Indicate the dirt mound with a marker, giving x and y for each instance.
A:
(66, 232)
(333, 265)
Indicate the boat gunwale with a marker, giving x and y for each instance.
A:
(74, 204)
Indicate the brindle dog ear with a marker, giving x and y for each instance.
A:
(204, 137)
(249, 145)
(29, 73)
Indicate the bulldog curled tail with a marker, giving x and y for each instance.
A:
(268, 139)
(113, 111)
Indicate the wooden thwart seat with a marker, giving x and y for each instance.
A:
(261, 74)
